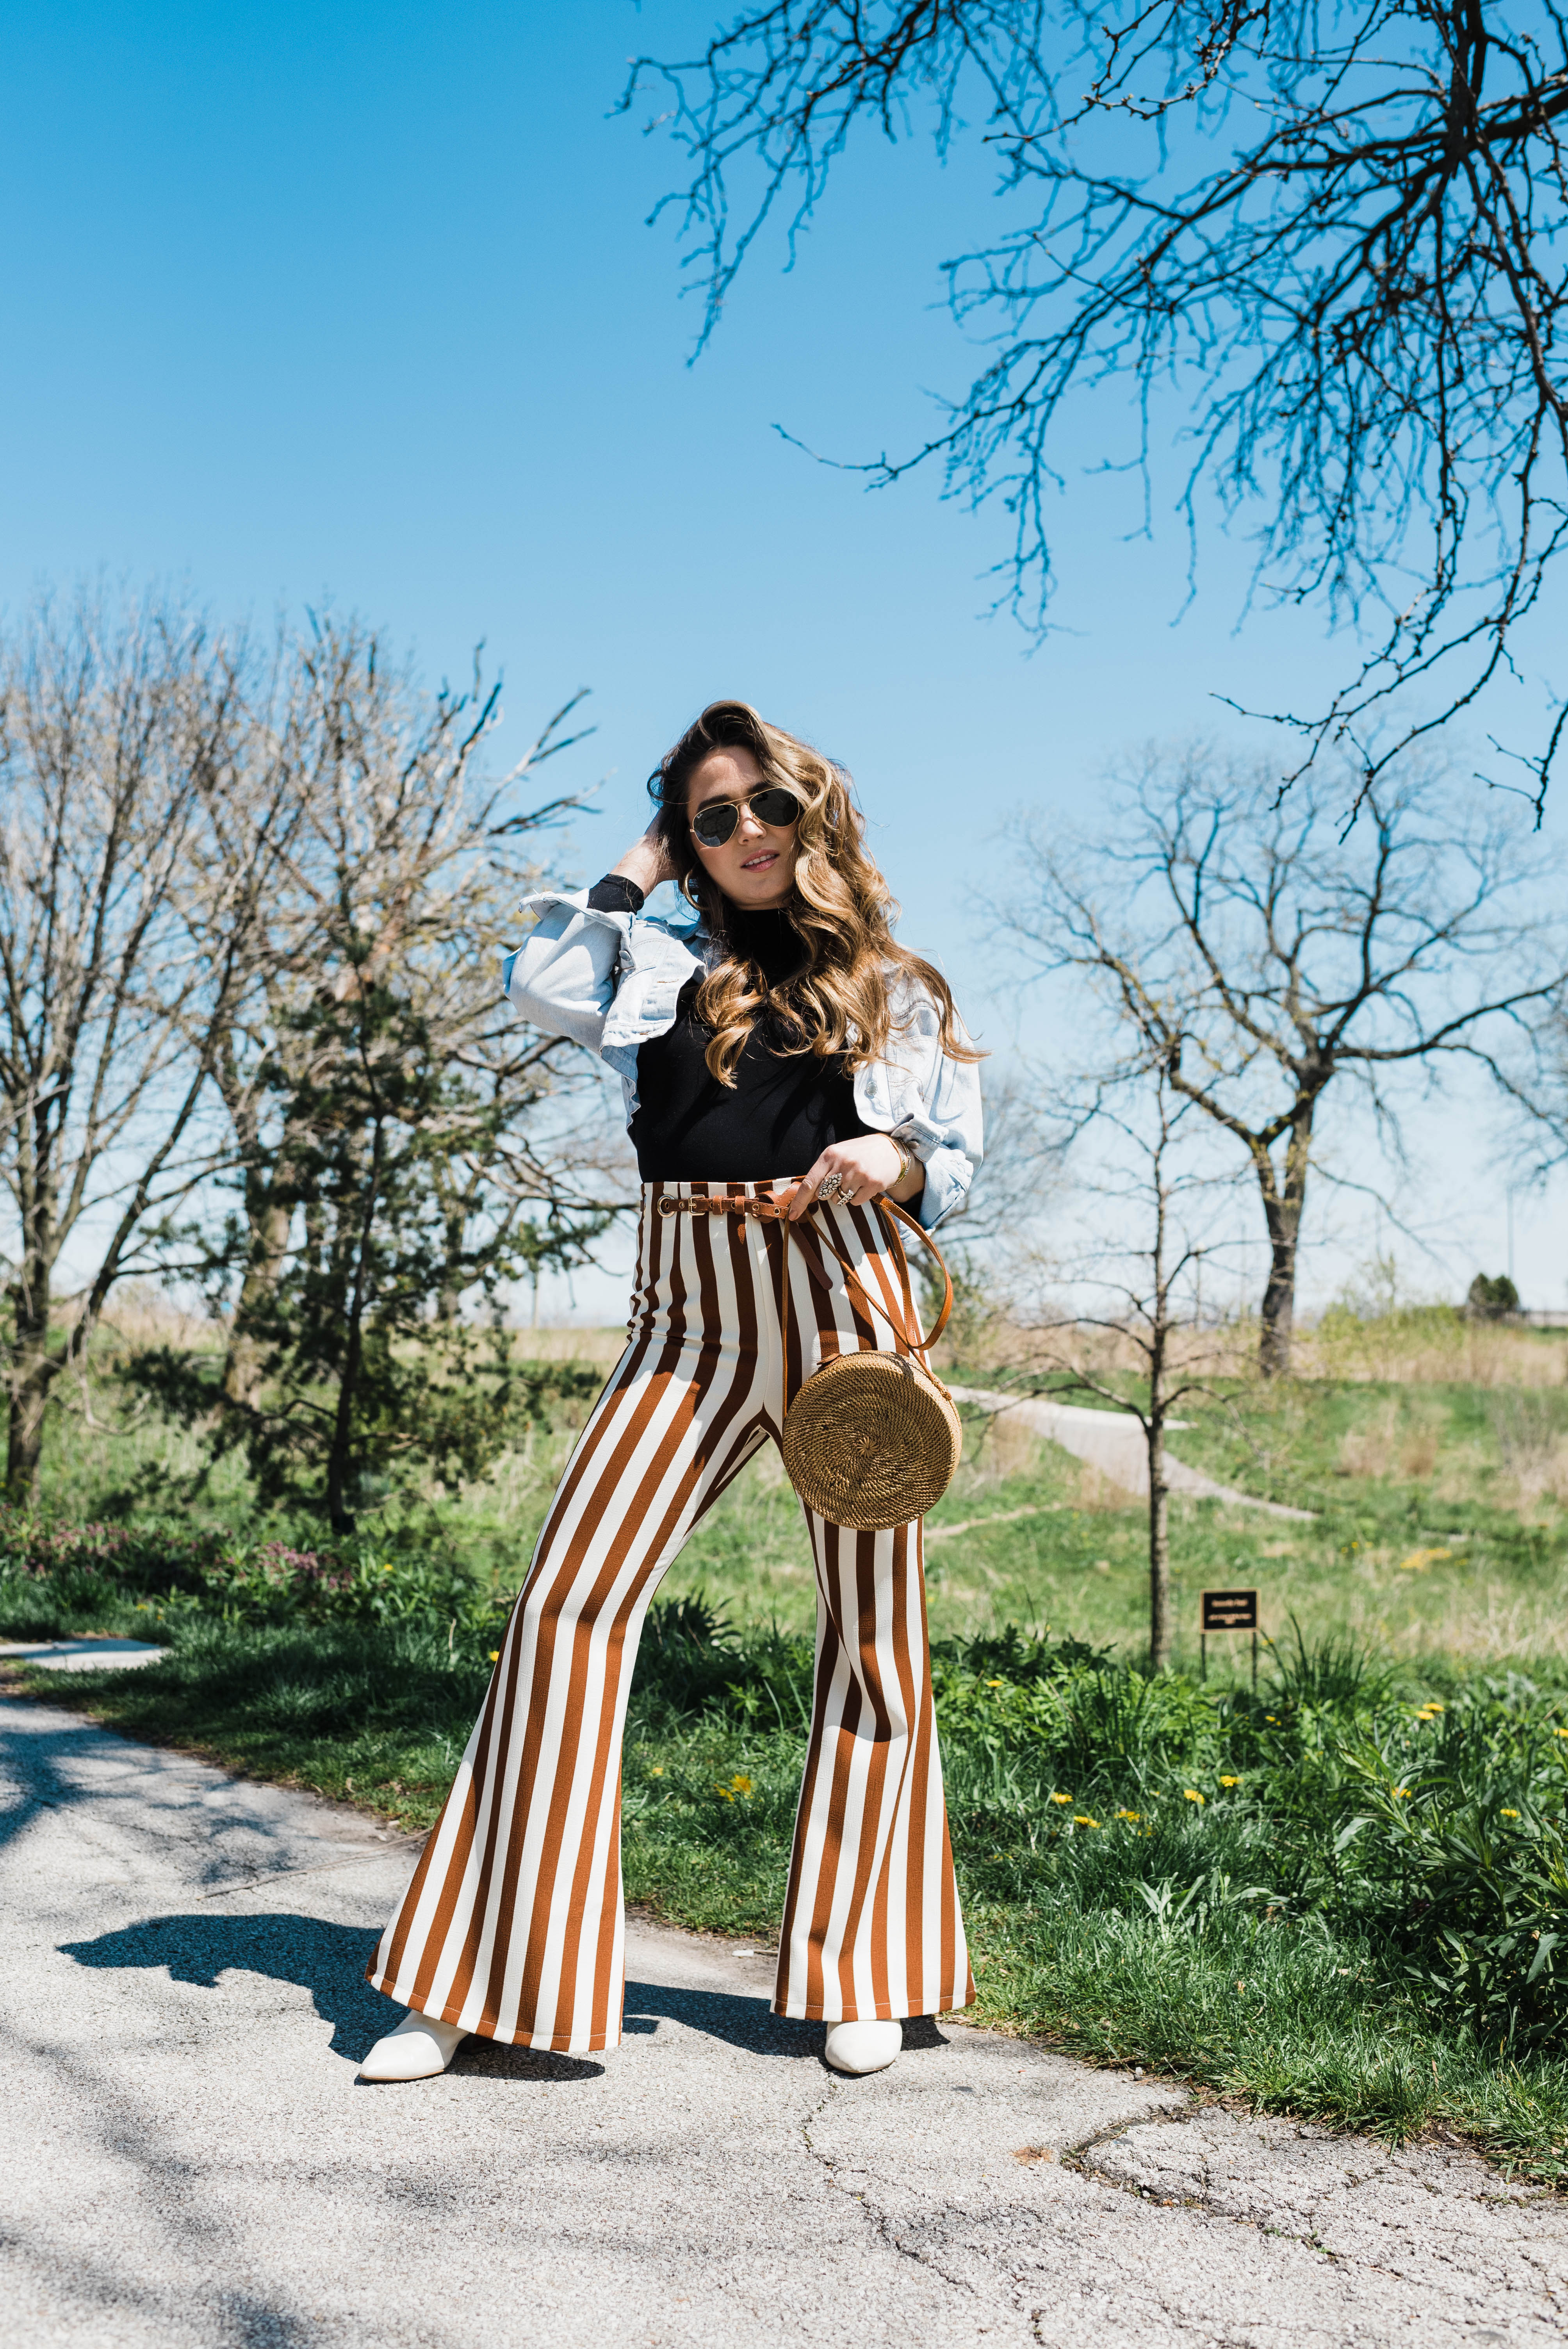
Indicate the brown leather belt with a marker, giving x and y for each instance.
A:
(762, 1211)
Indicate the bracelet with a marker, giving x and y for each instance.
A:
(903, 1158)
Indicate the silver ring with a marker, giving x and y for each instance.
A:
(829, 1186)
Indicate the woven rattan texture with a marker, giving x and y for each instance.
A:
(870, 1441)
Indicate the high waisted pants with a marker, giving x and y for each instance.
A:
(512, 1925)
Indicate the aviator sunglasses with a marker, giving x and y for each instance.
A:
(713, 824)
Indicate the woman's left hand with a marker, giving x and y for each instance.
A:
(866, 1168)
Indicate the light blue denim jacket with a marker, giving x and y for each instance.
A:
(610, 981)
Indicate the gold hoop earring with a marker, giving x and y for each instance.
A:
(689, 892)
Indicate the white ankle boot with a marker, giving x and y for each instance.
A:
(417, 2050)
(862, 2047)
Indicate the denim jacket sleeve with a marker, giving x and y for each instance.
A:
(931, 1103)
(564, 976)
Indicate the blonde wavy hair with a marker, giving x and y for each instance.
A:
(839, 1001)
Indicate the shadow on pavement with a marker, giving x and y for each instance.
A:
(328, 1961)
(747, 2021)
(494, 2059)
(49, 1765)
(744, 2021)
(34, 1761)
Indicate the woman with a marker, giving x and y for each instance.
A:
(781, 1056)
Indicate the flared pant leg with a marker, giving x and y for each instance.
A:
(872, 1925)
(513, 1926)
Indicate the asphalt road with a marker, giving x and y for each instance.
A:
(185, 2157)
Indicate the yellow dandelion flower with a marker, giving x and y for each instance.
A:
(1130, 1815)
(386, 1566)
(1507, 1813)
(1192, 1794)
(655, 1769)
(1082, 1819)
(1230, 1782)
(995, 1683)
(1401, 1793)
(495, 1655)
(1061, 1798)
(1560, 1732)
(739, 1784)
(725, 1794)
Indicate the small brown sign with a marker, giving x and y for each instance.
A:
(1229, 1611)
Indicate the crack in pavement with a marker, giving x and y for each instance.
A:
(882, 2226)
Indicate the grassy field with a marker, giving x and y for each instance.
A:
(1441, 1502)
(1359, 1920)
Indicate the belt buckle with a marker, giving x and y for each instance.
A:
(669, 1206)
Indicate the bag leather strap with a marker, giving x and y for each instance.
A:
(908, 1345)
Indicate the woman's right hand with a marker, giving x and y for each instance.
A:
(648, 862)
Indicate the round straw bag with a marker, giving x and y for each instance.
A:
(872, 1439)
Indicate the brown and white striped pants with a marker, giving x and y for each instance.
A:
(512, 1925)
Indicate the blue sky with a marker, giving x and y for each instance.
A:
(361, 302)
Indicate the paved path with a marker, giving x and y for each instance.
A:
(1113, 1442)
(187, 2162)
(95, 1653)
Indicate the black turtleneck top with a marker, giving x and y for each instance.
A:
(782, 1110)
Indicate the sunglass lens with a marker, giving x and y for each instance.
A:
(776, 806)
(713, 824)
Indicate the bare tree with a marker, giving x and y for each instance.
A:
(1256, 956)
(1139, 1284)
(117, 990)
(1341, 232)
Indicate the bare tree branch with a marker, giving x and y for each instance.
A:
(1161, 1187)
(1341, 231)
(111, 1010)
